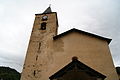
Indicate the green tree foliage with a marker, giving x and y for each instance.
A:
(7, 73)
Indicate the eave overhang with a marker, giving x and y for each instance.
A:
(80, 67)
(80, 31)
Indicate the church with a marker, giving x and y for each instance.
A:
(72, 55)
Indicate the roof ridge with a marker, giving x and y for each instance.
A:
(48, 10)
(80, 31)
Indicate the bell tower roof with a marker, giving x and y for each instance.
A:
(48, 10)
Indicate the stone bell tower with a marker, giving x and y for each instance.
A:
(40, 46)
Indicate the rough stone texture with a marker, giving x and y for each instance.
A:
(46, 56)
(40, 49)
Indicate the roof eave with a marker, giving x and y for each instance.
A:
(76, 30)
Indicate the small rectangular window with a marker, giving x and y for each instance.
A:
(43, 26)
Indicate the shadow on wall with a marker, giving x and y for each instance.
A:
(118, 71)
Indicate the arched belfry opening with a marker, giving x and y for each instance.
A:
(76, 70)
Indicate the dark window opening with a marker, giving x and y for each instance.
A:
(34, 72)
(39, 47)
(43, 26)
(36, 57)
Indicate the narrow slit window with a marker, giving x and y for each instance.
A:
(43, 26)
(36, 57)
(34, 72)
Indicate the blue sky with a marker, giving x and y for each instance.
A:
(101, 17)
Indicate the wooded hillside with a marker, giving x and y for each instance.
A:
(7, 73)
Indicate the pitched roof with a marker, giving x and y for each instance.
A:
(80, 31)
(48, 10)
(80, 67)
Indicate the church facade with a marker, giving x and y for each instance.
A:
(72, 55)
